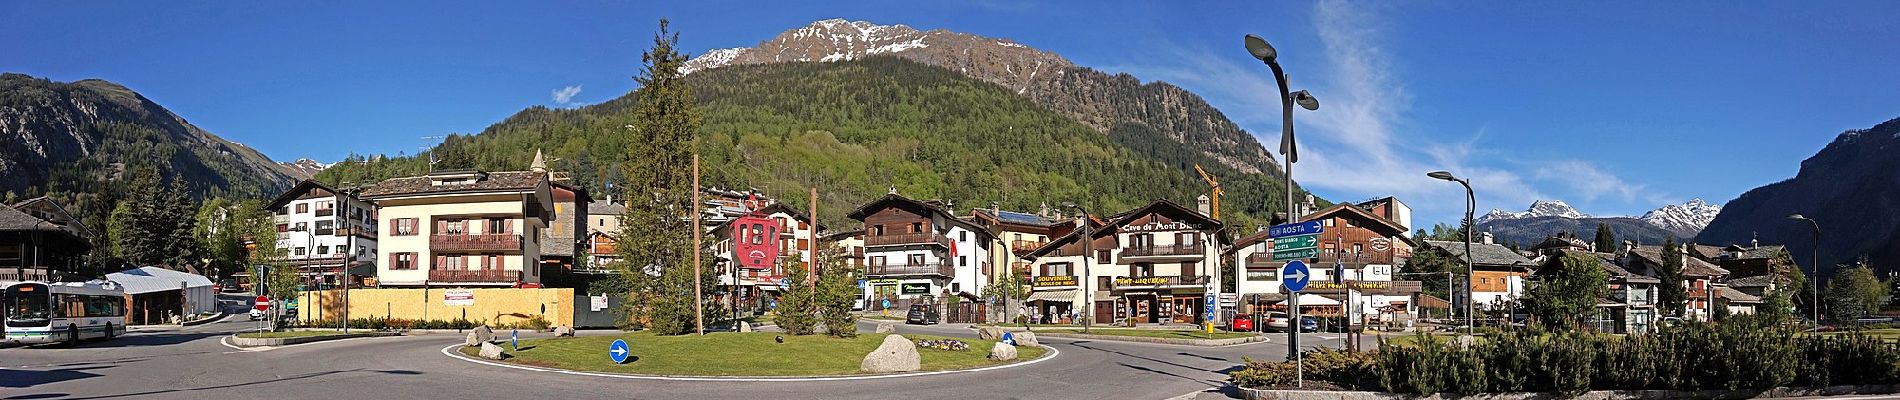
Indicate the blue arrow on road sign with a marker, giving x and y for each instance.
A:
(1009, 338)
(514, 339)
(1294, 275)
(1298, 229)
(619, 351)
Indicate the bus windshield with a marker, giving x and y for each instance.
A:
(27, 309)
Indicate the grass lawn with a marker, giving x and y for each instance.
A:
(1153, 333)
(286, 334)
(736, 354)
(1883, 334)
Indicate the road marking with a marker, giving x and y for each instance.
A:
(1196, 394)
(445, 351)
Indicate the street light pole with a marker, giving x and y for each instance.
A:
(1814, 280)
(1265, 52)
(1088, 304)
(1470, 205)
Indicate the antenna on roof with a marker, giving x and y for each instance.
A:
(431, 149)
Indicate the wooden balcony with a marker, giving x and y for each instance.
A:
(1262, 261)
(1025, 246)
(1153, 282)
(941, 269)
(325, 212)
(474, 276)
(29, 274)
(475, 242)
(1163, 251)
(907, 239)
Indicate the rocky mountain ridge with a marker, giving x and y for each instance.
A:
(1848, 189)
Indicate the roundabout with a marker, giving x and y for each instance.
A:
(735, 357)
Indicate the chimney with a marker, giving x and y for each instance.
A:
(1044, 211)
(1201, 203)
(1486, 237)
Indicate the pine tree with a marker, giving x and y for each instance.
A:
(837, 290)
(118, 228)
(661, 139)
(1672, 294)
(178, 224)
(145, 236)
(794, 311)
(1606, 238)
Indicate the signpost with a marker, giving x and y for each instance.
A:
(1294, 277)
(1210, 314)
(619, 351)
(514, 339)
(1293, 243)
(263, 303)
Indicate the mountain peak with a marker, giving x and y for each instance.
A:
(1539, 208)
(1684, 219)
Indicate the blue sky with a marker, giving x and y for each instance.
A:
(1616, 107)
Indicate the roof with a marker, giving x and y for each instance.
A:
(1736, 296)
(298, 190)
(603, 207)
(1019, 218)
(1356, 210)
(487, 182)
(63, 217)
(1104, 228)
(14, 220)
(1486, 253)
(1760, 281)
(155, 279)
(929, 207)
(836, 236)
(1746, 253)
(1697, 267)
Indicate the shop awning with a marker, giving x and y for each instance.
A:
(1053, 295)
(1308, 299)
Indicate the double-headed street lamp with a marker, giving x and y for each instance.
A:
(1814, 280)
(1088, 304)
(1470, 202)
(1265, 52)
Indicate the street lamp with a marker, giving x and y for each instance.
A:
(1470, 202)
(1088, 303)
(1814, 280)
(1266, 54)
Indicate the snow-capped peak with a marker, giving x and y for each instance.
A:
(1687, 217)
(1539, 208)
(825, 41)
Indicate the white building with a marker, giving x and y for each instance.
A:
(916, 251)
(1155, 264)
(1360, 241)
(320, 229)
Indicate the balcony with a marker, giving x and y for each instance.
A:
(1153, 282)
(29, 274)
(1025, 246)
(1262, 261)
(941, 269)
(325, 212)
(475, 242)
(908, 239)
(1163, 251)
(474, 276)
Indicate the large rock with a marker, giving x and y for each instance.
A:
(1025, 338)
(564, 331)
(897, 354)
(745, 326)
(491, 351)
(886, 327)
(473, 340)
(1002, 352)
(989, 333)
(484, 334)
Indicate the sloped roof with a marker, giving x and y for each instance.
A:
(63, 217)
(488, 181)
(298, 190)
(1486, 253)
(603, 207)
(1753, 281)
(143, 280)
(1019, 218)
(1697, 267)
(1736, 296)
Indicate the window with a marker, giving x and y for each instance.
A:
(1141, 241)
(298, 251)
(402, 261)
(341, 249)
(1141, 269)
(963, 261)
(1057, 269)
(916, 227)
(1188, 269)
(451, 262)
(916, 259)
(492, 261)
(325, 250)
(758, 234)
(403, 226)
(303, 208)
(497, 226)
(1104, 257)
(362, 250)
(452, 226)
(281, 228)
(1189, 239)
(956, 286)
(877, 230)
(963, 236)
(326, 227)
(1358, 248)
(877, 261)
(301, 227)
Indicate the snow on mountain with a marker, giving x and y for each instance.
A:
(999, 61)
(1540, 208)
(1688, 217)
(303, 168)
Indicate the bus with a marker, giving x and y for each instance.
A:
(42, 312)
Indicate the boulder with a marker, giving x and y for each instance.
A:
(886, 327)
(473, 340)
(1002, 352)
(897, 354)
(745, 326)
(989, 333)
(491, 351)
(564, 331)
(1025, 338)
(484, 334)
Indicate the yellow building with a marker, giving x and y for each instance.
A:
(462, 227)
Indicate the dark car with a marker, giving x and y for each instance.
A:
(922, 315)
(1309, 324)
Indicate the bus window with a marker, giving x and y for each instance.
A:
(27, 310)
(72, 306)
(100, 306)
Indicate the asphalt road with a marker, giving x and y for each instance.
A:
(192, 363)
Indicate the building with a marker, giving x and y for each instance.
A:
(1154, 264)
(40, 241)
(920, 252)
(1701, 280)
(1498, 274)
(1360, 252)
(322, 231)
(563, 240)
(603, 231)
(157, 294)
(1019, 232)
(462, 227)
(786, 236)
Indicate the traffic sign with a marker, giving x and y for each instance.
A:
(1295, 275)
(263, 303)
(1295, 254)
(1296, 229)
(1009, 338)
(619, 351)
(514, 339)
(1296, 242)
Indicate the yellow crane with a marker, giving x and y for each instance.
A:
(1215, 192)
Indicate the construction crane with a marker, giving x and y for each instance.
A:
(1215, 192)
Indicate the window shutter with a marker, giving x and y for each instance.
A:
(507, 227)
(392, 261)
(441, 226)
(440, 261)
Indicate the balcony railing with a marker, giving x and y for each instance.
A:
(474, 276)
(475, 242)
(325, 212)
(29, 274)
(1155, 282)
(1162, 251)
(932, 238)
(1025, 246)
(943, 270)
(1262, 260)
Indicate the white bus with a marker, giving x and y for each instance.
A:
(40, 312)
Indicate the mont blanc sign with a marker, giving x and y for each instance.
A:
(1158, 227)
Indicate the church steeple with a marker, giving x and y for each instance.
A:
(540, 165)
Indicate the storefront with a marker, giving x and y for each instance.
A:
(900, 293)
(1159, 300)
(1053, 299)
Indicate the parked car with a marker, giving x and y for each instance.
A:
(1308, 324)
(1241, 323)
(922, 315)
(1275, 321)
(256, 315)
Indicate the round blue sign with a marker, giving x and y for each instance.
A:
(619, 351)
(1295, 275)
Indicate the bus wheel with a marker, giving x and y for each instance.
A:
(72, 336)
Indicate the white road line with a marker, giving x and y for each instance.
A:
(445, 351)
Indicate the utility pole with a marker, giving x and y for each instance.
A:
(699, 312)
(811, 238)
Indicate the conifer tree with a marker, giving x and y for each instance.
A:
(1606, 238)
(660, 135)
(1672, 294)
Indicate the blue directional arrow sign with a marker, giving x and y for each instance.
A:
(619, 351)
(1294, 275)
(514, 339)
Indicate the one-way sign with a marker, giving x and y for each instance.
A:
(1294, 276)
(619, 351)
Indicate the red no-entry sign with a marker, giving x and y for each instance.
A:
(263, 303)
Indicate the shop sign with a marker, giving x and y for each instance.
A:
(915, 288)
(1054, 281)
(458, 297)
(1157, 227)
(883, 281)
(1262, 275)
(1141, 281)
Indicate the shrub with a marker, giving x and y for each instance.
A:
(1259, 374)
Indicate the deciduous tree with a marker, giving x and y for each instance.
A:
(1853, 293)
(1569, 292)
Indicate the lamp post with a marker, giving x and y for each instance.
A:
(1814, 280)
(1088, 303)
(1265, 52)
(1470, 202)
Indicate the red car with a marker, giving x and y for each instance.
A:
(1242, 323)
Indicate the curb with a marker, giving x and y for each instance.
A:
(206, 320)
(451, 353)
(1138, 339)
(1290, 394)
(273, 342)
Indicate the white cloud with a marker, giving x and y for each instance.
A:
(1587, 181)
(566, 95)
